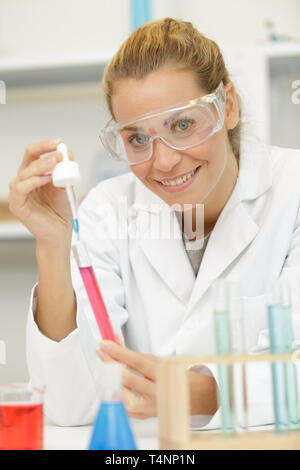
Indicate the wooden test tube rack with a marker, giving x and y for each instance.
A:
(173, 409)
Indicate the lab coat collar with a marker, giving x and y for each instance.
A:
(233, 232)
(255, 172)
(161, 242)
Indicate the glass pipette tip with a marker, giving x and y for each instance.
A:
(72, 201)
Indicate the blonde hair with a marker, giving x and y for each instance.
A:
(169, 41)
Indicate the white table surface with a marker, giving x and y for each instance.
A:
(78, 437)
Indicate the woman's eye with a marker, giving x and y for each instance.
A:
(182, 124)
(139, 139)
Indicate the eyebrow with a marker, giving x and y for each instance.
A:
(141, 129)
(173, 116)
(128, 128)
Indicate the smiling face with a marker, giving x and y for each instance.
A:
(192, 176)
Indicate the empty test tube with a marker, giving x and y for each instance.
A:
(291, 379)
(223, 348)
(277, 346)
(238, 346)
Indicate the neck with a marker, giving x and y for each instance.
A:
(214, 203)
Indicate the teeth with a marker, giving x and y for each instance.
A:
(179, 180)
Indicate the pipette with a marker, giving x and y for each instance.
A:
(65, 175)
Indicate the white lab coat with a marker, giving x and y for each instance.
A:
(154, 301)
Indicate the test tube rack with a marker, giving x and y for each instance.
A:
(173, 410)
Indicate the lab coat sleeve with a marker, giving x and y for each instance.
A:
(69, 369)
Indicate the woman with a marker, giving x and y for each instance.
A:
(176, 118)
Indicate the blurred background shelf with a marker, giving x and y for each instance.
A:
(14, 231)
(10, 227)
(264, 75)
(47, 70)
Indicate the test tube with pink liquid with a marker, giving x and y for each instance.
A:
(93, 291)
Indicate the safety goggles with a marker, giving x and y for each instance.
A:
(181, 127)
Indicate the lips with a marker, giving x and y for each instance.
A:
(180, 182)
(166, 180)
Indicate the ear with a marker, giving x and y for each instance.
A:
(231, 118)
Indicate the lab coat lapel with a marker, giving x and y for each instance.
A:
(165, 251)
(236, 227)
(233, 232)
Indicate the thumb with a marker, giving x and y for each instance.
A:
(119, 341)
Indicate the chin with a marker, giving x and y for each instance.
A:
(182, 202)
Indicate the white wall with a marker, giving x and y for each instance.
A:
(241, 21)
(72, 113)
(18, 274)
(47, 26)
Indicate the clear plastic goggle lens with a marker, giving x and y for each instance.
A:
(180, 128)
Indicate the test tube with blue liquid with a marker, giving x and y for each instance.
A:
(112, 429)
(223, 348)
(277, 346)
(291, 379)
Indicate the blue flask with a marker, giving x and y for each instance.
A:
(112, 430)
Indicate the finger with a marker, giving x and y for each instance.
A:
(71, 155)
(119, 341)
(40, 166)
(130, 380)
(135, 405)
(12, 183)
(136, 361)
(23, 188)
(36, 149)
(104, 357)
(138, 383)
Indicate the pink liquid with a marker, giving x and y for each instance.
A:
(21, 427)
(94, 295)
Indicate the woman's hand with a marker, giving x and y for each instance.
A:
(202, 388)
(39, 205)
(145, 404)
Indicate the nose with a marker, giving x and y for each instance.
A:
(164, 157)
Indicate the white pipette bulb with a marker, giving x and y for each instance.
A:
(66, 173)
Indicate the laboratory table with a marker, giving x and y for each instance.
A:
(78, 437)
